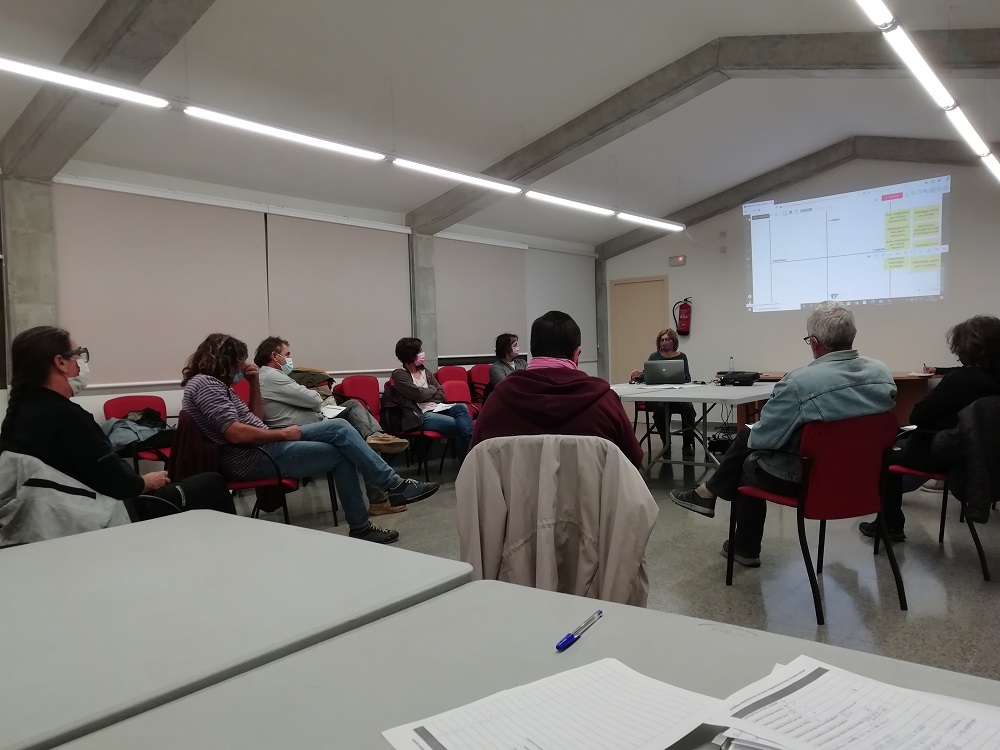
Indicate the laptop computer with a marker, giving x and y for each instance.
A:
(663, 371)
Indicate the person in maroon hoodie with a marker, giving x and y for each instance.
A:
(553, 397)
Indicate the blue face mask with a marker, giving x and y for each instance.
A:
(237, 378)
(288, 366)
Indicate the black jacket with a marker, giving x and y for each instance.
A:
(959, 388)
(971, 450)
(53, 429)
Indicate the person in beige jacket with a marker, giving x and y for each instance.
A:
(556, 512)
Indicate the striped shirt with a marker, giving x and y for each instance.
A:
(214, 406)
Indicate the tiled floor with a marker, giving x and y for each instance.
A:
(953, 618)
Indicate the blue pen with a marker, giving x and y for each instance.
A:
(573, 637)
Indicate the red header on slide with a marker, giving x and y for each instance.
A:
(892, 196)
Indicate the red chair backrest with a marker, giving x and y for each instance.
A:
(456, 391)
(479, 378)
(364, 388)
(451, 372)
(242, 389)
(845, 476)
(117, 408)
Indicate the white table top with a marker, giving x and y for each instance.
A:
(695, 394)
(468, 644)
(99, 626)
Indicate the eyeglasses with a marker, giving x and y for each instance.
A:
(81, 351)
(807, 339)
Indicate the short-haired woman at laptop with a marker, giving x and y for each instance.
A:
(668, 347)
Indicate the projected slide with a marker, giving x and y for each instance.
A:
(869, 247)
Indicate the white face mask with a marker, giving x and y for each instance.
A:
(288, 366)
(79, 383)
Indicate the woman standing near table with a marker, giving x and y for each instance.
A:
(668, 347)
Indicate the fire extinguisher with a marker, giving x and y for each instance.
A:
(682, 319)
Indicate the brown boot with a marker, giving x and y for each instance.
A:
(384, 509)
(384, 443)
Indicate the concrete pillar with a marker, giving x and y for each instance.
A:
(423, 296)
(29, 249)
(603, 343)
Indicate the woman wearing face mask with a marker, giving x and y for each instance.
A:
(507, 359)
(421, 399)
(668, 347)
(47, 369)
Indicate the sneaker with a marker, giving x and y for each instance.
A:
(744, 560)
(693, 501)
(384, 509)
(373, 533)
(868, 529)
(410, 491)
(384, 443)
(687, 451)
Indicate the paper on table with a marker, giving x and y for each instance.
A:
(332, 412)
(601, 705)
(809, 705)
(916, 374)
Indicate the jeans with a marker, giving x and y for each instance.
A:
(455, 423)
(334, 446)
(360, 418)
(737, 469)
(661, 419)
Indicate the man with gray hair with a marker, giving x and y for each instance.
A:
(837, 384)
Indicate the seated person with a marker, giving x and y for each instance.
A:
(507, 360)
(47, 368)
(288, 403)
(552, 397)
(837, 384)
(668, 347)
(976, 343)
(318, 448)
(420, 398)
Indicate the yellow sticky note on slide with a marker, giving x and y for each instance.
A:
(926, 263)
(895, 264)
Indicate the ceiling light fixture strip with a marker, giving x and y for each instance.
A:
(124, 94)
(880, 15)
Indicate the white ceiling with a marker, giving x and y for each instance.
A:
(463, 83)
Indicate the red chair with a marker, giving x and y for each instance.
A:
(363, 388)
(842, 471)
(242, 388)
(118, 408)
(905, 470)
(451, 372)
(479, 380)
(457, 392)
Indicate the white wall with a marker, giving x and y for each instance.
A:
(903, 335)
(561, 281)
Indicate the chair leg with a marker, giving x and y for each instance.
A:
(731, 557)
(807, 559)
(333, 496)
(444, 455)
(944, 514)
(284, 508)
(892, 562)
(822, 546)
(979, 548)
(425, 450)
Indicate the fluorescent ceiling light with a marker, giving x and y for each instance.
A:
(964, 127)
(570, 204)
(447, 173)
(992, 164)
(670, 226)
(918, 66)
(877, 13)
(287, 135)
(84, 84)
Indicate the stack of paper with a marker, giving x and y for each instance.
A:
(602, 705)
(808, 704)
(805, 705)
(332, 411)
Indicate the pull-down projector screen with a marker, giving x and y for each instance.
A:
(869, 247)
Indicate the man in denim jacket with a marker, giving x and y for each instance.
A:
(837, 384)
